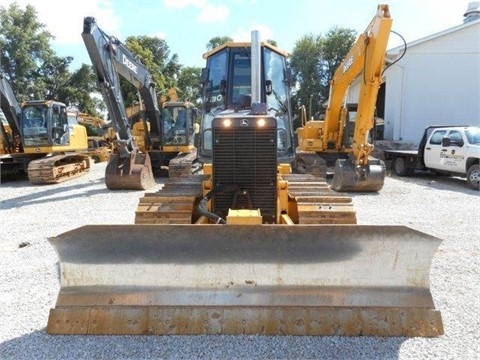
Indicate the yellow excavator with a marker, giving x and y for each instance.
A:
(43, 142)
(161, 141)
(343, 135)
(247, 247)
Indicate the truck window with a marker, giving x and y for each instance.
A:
(455, 138)
(437, 137)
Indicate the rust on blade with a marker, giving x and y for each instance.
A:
(331, 279)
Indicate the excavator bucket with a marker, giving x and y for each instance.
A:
(347, 280)
(349, 177)
(133, 172)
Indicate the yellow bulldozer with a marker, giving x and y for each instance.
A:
(247, 247)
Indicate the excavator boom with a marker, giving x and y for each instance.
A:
(346, 139)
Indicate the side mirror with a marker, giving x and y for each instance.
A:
(446, 142)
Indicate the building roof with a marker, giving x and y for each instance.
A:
(394, 52)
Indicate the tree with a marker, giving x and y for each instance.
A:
(32, 67)
(77, 90)
(336, 46)
(314, 60)
(24, 48)
(304, 62)
(189, 83)
(217, 41)
(154, 53)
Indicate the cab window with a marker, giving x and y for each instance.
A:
(437, 137)
(455, 138)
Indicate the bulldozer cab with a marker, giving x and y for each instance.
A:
(228, 91)
(246, 247)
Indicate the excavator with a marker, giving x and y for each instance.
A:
(42, 142)
(162, 140)
(343, 135)
(247, 247)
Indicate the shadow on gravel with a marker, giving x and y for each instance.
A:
(39, 345)
(53, 193)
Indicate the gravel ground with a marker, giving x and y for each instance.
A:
(441, 206)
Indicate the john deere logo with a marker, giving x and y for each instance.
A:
(244, 122)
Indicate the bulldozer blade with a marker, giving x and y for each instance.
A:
(349, 177)
(133, 172)
(347, 280)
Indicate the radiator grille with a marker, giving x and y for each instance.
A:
(245, 157)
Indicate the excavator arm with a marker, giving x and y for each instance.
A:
(12, 111)
(128, 168)
(365, 59)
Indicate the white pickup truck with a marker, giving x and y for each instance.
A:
(452, 150)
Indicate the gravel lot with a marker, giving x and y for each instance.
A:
(441, 206)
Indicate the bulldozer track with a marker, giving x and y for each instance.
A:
(58, 168)
(315, 202)
(174, 203)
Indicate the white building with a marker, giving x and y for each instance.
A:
(436, 82)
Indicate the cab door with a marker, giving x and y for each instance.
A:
(432, 155)
(454, 152)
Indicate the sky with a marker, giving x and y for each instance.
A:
(188, 25)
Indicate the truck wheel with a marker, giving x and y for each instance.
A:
(473, 177)
(399, 167)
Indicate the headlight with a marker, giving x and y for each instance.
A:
(261, 122)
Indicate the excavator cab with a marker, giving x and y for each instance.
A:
(178, 120)
(45, 125)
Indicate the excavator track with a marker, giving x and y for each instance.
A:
(309, 163)
(58, 168)
(183, 165)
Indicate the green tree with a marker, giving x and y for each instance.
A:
(336, 46)
(32, 67)
(304, 62)
(189, 83)
(217, 41)
(154, 53)
(77, 89)
(314, 60)
(24, 48)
